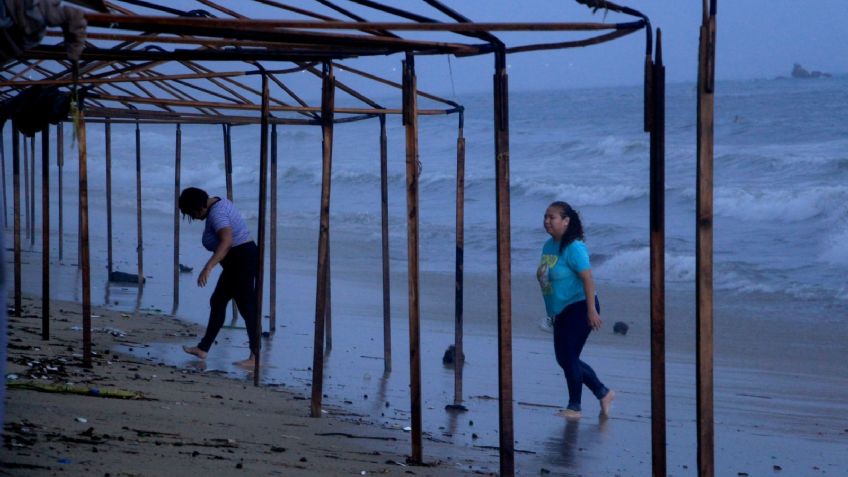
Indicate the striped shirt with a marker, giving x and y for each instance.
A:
(223, 214)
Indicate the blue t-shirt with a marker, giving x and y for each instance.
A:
(221, 215)
(558, 274)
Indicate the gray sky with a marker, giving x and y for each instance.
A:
(756, 39)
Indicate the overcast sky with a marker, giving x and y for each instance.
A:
(756, 39)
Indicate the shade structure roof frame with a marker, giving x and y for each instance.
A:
(131, 71)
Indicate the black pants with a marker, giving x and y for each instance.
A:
(571, 330)
(237, 282)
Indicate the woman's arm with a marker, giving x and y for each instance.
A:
(225, 235)
(589, 289)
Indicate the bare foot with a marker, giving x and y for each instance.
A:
(249, 363)
(570, 414)
(194, 350)
(606, 402)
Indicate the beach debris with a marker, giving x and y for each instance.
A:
(185, 268)
(277, 449)
(544, 471)
(123, 277)
(620, 328)
(70, 389)
(547, 324)
(407, 429)
(455, 407)
(354, 436)
(449, 357)
(777, 468)
(81, 419)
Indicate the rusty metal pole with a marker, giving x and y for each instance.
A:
(657, 199)
(327, 107)
(26, 187)
(228, 174)
(32, 190)
(107, 131)
(60, 163)
(410, 120)
(3, 169)
(384, 228)
(272, 271)
(84, 245)
(704, 244)
(228, 161)
(501, 103)
(16, 185)
(178, 152)
(140, 241)
(45, 233)
(459, 360)
(263, 202)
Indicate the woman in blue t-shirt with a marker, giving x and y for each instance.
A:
(228, 238)
(565, 276)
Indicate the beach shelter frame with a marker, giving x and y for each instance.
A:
(309, 41)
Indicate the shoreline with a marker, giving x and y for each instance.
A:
(188, 420)
(775, 394)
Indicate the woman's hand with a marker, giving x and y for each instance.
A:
(204, 276)
(594, 318)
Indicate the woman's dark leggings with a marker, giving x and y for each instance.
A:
(571, 330)
(237, 282)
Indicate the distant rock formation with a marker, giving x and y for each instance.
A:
(799, 72)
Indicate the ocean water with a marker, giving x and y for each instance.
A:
(781, 182)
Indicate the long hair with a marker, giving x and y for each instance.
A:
(575, 226)
(192, 200)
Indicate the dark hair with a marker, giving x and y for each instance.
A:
(192, 200)
(575, 227)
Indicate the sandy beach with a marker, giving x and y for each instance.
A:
(174, 421)
(780, 400)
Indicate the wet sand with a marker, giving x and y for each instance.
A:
(781, 396)
(180, 421)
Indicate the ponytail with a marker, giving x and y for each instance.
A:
(575, 226)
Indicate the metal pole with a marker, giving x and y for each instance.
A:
(704, 245)
(3, 168)
(177, 160)
(263, 200)
(16, 186)
(32, 190)
(384, 226)
(108, 134)
(228, 161)
(327, 105)
(84, 245)
(228, 174)
(60, 162)
(501, 102)
(459, 360)
(272, 292)
(45, 233)
(140, 241)
(410, 109)
(26, 187)
(657, 174)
